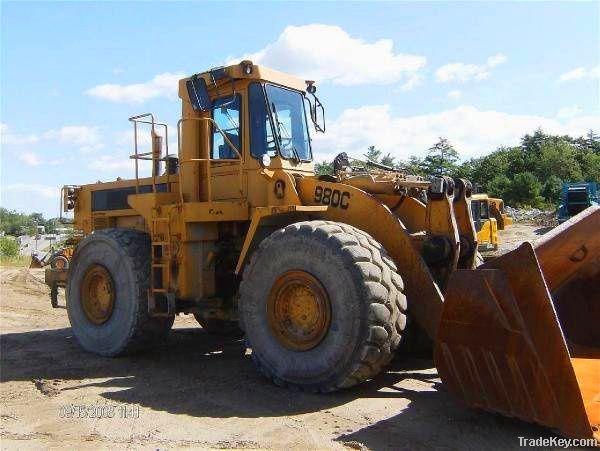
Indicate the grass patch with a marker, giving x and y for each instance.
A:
(19, 260)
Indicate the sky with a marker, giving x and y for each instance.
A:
(396, 75)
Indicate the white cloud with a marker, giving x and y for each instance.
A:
(84, 137)
(49, 192)
(30, 158)
(568, 112)
(328, 53)
(496, 60)
(413, 81)
(8, 138)
(162, 85)
(581, 73)
(473, 132)
(109, 163)
(81, 136)
(120, 165)
(455, 94)
(463, 73)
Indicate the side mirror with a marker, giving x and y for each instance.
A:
(317, 110)
(198, 94)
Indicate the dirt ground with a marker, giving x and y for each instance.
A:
(201, 391)
(514, 235)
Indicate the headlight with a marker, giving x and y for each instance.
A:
(265, 160)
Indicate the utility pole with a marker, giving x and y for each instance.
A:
(35, 231)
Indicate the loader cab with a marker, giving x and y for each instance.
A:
(251, 119)
(485, 225)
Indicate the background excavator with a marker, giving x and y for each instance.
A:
(322, 273)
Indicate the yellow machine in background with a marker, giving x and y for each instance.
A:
(485, 225)
(498, 211)
(56, 263)
(321, 272)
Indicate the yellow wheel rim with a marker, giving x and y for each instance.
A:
(298, 311)
(59, 264)
(97, 294)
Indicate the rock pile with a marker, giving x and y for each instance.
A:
(534, 215)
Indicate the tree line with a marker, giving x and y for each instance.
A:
(529, 174)
(15, 223)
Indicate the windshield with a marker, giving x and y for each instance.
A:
(289, 120)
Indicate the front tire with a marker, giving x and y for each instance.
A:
(107, 294)
(322, 306)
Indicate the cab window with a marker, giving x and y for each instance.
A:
(475, 210)
(289, 120)
(485, 210)
(227, 114)
(262, 140)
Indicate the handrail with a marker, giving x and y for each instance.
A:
(137, 156)
(209, 159)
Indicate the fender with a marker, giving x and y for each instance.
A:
(353, 206)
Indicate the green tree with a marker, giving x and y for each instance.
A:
(489, 166)
(558, 158)
(592, 141)
(500, 186)
(388, 160)
(12, 222)
(464, 170)
(373, 154)
(552, 189)
(8, 247)
(526, 189)
(324, 168)
(590, 167)
(414, 165)
(441, 158)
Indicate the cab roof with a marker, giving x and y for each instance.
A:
(249, 71)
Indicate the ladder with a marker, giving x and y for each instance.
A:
(161, 298)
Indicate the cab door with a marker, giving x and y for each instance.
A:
(228, 179)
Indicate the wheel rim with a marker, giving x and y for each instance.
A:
(59, 263)
(298, 310)
(97, 294)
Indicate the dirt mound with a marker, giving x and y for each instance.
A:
(24, 279)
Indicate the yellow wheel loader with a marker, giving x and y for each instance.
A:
(321, 272)
(486, 223)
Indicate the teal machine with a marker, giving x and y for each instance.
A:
(576, 197)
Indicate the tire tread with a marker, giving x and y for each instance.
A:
(384, 287)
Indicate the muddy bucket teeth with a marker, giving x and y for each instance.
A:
(520, 334)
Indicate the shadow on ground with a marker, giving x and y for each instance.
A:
(193, 373)
(199, 374)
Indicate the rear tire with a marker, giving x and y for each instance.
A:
(59, 262)
(363, 289)
(124, 327)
